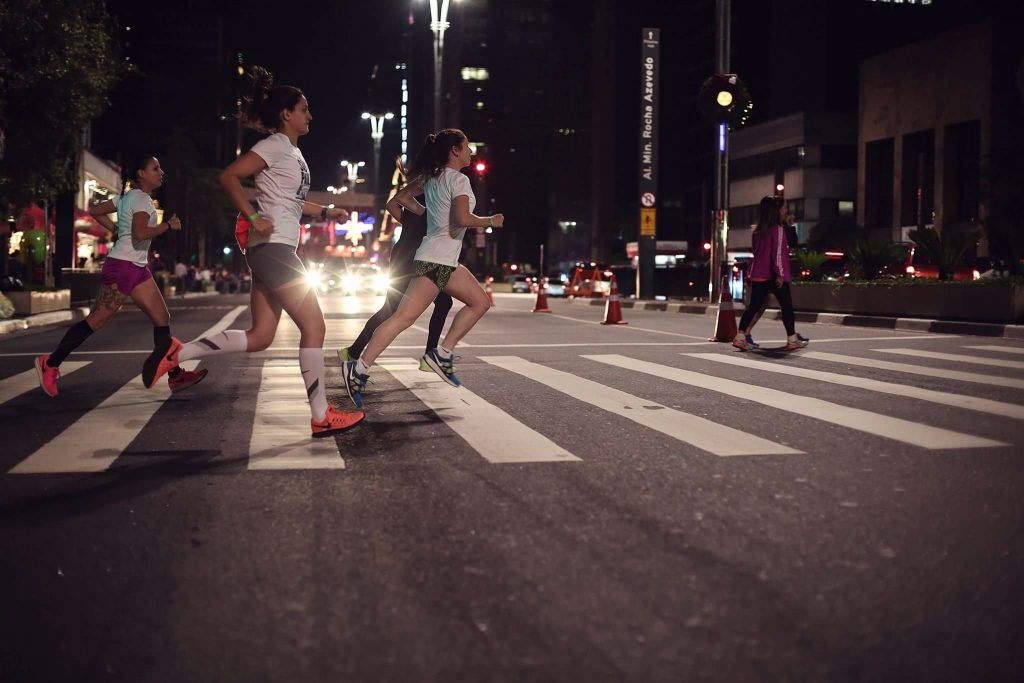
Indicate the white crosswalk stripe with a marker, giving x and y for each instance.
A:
(933, 438)
(910, 369)
(956, 357)
(696, 431)
(27, 381)
(1000, 349)
(98, 438)
(494, 434)
(956, 400)
(280, 432)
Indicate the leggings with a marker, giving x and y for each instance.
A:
(442, 304)
(759, 292)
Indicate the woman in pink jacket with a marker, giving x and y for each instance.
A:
(769, 273)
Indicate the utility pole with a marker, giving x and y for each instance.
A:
(719, 243)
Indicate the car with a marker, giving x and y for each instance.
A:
(523, 283)
(346, 278)
(912, 262)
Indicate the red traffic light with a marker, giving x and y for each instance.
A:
(707, 246)
(480, 167)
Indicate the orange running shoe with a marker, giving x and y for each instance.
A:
(47, 376)
(185, 379)
(336, 421)
(159, 364)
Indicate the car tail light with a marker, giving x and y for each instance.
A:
(910, 270)
(975, 275)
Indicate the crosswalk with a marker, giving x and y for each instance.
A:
(603, 384)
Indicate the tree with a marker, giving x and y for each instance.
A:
(57, 64)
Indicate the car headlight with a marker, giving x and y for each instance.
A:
(313, 278)
(381, 283)
(350, 282)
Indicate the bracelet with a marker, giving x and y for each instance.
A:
(490, 221)
(323, 214)
(253, 216)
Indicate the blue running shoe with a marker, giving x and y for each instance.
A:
(354, 382)
(445, 367)
(753, 344)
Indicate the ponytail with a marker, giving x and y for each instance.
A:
(261, 110)
(433, 156)
(130, 171)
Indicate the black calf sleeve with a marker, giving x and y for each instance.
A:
(73, 338)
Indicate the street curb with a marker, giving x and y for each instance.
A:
(844, 319)
(42, 319)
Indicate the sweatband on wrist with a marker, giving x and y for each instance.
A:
(253, 216)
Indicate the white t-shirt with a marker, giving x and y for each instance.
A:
(440, 245)
(127, 248)
(280, 189)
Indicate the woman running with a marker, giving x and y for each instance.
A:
(414, 229)
(450, 204)
(769, 274)
(126, 273)
(278, 275)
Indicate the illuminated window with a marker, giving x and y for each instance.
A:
(475, 73)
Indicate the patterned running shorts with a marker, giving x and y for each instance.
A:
(438, 274)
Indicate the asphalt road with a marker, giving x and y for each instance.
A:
(627, 503)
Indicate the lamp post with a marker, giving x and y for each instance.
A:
(720, 238)
(438, 24)
(377, 134)
(352, 171)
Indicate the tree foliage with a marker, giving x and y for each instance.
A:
(868, 257)
(947, 249)
(57, 64)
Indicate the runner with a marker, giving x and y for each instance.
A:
(278, 275)
(450, 202)
(126, 273)
(414, 229)
(770, 274)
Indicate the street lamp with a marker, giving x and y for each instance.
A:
(377, 134)
(438, 24)
(352, 171)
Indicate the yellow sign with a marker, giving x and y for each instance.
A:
(648, 222)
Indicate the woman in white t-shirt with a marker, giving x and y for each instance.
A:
(278, 275)
(450, 203)
(126, 273)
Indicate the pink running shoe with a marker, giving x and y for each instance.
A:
(185, 379)
(47, 376)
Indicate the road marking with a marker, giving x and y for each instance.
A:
(493, 433)
(999, 363)
(1002, 349)
(957, 375)
(632, 328)
(225, 322)
(982, 405)
(696, 431)
(99, 437)
(281, 437)
(16, 385)
(932, 438)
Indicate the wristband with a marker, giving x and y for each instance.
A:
(253, 216)
(323, 214)
(490, 221)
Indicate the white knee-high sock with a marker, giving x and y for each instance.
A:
(311, 362)
(228, 341)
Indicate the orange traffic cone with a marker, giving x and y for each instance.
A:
(612, 307)
(542, 298)
(489, 290)
(725, 328)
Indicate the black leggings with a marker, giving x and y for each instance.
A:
(442, 304)
(759, 292)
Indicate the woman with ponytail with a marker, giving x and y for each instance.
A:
(278, 275)
(126, 273)
(450, 202)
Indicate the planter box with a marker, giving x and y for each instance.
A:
(84, 284)
(995, 303)
(31, 303)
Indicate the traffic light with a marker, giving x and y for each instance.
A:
(724, 99)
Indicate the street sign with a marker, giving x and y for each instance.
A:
(648, 199)
(648, 222)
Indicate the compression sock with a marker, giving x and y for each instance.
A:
(311, 362)
(72, 339)
(228, 341)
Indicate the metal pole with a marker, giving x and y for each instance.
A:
(719, 245)
(438, 52)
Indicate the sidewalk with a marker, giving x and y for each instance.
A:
(19, 323)
(850, 319)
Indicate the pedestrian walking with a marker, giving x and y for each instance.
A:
(278, 275)
(770, 273)
(400, 273)
(126, 273)
(450, 201)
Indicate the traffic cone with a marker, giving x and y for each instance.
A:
(725, 328)
(612, 307)
(542, 298)
(489, 290)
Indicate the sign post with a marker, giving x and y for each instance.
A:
(648, 178)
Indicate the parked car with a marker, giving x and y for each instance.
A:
(523, 283)
(912, 262)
